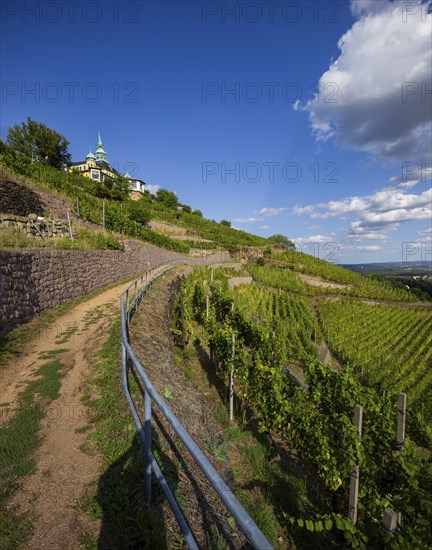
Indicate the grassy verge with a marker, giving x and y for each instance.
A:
(84, 239)
(118, 501)
(19, 438)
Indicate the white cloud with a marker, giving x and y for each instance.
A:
(384, 206)
(264, 227)
(368, 248)
(247, 220)
(373, 98)
(153, 189)
(377, 214)
(270, 212)
(425, 232)
(300, 210)
(360, 233)
(365, 7)
(313, 239)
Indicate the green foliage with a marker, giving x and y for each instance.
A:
(316, 418)
(167, 198)
(281, 269)
(38, 142)
(390, 347)
(138, 212)
(282, 241)
(75, 186)
(118, 215)
(225, 222)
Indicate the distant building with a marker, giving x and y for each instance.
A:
(96, 167)
(135, 184)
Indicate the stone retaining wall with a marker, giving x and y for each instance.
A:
(34, 226)
(18, 199)
(33, 281)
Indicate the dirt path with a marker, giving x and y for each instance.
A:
(316, 281)
(63, 472)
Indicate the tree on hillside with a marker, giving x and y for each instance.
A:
(37, 141)
(197, 213)
(225, 222)
(138, 212)
(167, 198)
(283, 241)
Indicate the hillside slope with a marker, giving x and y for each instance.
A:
(95, 202)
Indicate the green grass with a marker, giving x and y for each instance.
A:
(19, 438)
(118, 499)
(65, 336)
(83, 239)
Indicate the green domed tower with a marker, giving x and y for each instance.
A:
(90, 157)
(100, 153)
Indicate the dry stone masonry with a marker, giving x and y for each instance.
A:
(35, 226)
(33, 281)
(18, 199)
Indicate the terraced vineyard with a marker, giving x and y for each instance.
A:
(389, 346)
(259, 331)
(348, 283)
(285, 317)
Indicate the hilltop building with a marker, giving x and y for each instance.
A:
(96, 167)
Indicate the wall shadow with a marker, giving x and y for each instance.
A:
(127, 521)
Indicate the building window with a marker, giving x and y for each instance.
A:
(95, 175)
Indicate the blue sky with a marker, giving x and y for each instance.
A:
(306, 118)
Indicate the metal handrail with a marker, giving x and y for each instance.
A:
(246, 524)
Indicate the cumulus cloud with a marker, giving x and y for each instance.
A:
(247, 220)
(360, 232)
(367, 248)
(374, 97)
(153, 189)
(270, 212)
(377, 214)
(312, 239)
(364, 7)
(264, 227)
(425, 231)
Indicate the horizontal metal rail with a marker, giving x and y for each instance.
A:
(129, 301)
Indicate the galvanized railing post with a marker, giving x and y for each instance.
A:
(148, 442)
(136, 295)
(127, 306)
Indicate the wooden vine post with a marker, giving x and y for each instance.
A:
(231, 382)
(392, 518)
(207, 307)
(70, 226)
(401, 418)
(355, 471)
